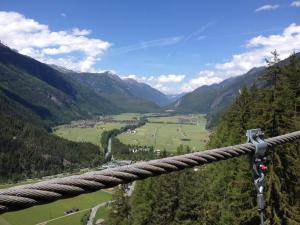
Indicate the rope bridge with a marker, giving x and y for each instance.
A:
(24, 196)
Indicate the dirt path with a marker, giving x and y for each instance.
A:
(93, 213)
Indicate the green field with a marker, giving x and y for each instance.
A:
(169, 136)
(102, 213)
(127, 116)
(38, 214)
(161, 132)
(92, 135)
(74, 219)
(196, 119)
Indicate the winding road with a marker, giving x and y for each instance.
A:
(94, 211)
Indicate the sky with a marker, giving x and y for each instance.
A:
(173, 45)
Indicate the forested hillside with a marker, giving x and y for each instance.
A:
(129, 95)
(27, 151)
(216, 98)
(223, 193)
(33, 96)
(39, 89)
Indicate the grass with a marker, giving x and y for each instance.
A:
(92, 135)
(127, 116)
(170, 136)
(38, 214)
(102, 213)
(74, 219)
(178, 119)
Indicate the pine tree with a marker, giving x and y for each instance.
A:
(120, 211)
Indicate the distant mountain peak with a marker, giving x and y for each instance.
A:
(111, 74)
(61, 69)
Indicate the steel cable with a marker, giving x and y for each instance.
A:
(24, 196)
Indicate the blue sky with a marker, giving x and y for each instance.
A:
(173, 45)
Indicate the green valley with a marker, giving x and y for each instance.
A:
(160, 132)
(55, 212)
(85, 134)
(169, 132)
(135, 112)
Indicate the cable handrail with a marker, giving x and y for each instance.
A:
(20, 197)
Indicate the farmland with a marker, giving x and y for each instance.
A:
(126, 116)
(170, 132)
(39, 214)
(165, 132)
(86, 134)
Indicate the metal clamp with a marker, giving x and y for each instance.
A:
(255, 136)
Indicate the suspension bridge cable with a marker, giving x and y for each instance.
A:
(25, 196)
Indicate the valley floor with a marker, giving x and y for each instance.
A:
(54, 212)
(170, 132)
(161, 132)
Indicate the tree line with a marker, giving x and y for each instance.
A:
(27, 151)
(223, 193)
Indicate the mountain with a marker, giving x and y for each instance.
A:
(214, 99)
(37, 92)
(147, 92)
(33, 97)
(128, 94)
(175, 97)
(208, 97)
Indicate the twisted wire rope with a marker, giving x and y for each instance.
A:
(24, 196)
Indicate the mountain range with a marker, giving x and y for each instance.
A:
(128, 94)
(214, 99)
(35, 96)
(48, 94)
(45, 94)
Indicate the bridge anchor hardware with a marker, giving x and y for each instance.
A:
(255, 136)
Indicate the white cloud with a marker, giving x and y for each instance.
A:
(170, 78)
(72, 49)
(131, 76)
(267, 8)
(205, 77)
(63, 14)
(165, 83)
(295, 4)
(83, 32)
(257, 50)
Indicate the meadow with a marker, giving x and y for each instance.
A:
(170, 132)
(127, 116)
(161, 132)
(102, 213)
(42, 213)
(87, 134)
